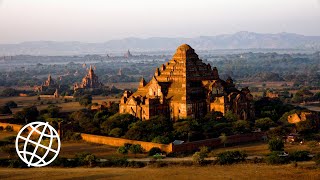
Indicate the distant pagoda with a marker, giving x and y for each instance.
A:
(90, 81)
(128, 54)
(48, 84)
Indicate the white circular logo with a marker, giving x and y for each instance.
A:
(41, 145)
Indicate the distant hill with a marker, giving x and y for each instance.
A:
(240, 40)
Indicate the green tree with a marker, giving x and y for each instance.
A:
(241, 126)
(223, 138)
(300, 155)
(230, 157)
(213, 116)
(114, 108)
(264, 123)
(307, 127)
(275, 158)
(11, 104)
(5, 110)
(28, 114)
(161, 140)
(116, 132)
(83, 121)
(85, 100)
(55, 122)
(9, 92)
(154, 150)
(276, 145)
(90, 159)
(121, 121)
(230, 116)
(278, 132)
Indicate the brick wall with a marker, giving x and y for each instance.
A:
(216, 142)
(120, 142)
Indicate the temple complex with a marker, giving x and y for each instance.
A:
(49, 83)
(186, 87)
(90, 81)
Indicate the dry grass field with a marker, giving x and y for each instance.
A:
(124, 85)
(273, 85)
(305, 170)
(238, 171)
(65, 106)
(261, 149)
(4, 134)
(70, 149)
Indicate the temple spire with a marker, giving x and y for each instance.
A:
(142, 83)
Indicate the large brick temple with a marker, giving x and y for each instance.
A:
(186, 87)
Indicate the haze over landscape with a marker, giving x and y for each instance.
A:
(241, 40)
(100, 21)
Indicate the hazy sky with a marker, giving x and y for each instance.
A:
(102, 20)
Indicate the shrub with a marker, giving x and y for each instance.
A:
(300, 156)
(115, 162)
(85, 158)
(275, 158)
(90, 159)
(316, 158)
(127, 145)
(85, 100)
(4, 162)
(157, 164)
(16, 163)
(10, 139)
(63, 162)
(135, 149)
(204, 151)
(76, 137)
(8, 149)
(71, 136)
(5, 110)
(276, 145)
(241, 126)
(122, 150)
(197, 158)
(264, 123)
(11, 104)
(119, 162)
(230, 157)
(136, 164)
(257, 160)
(153, 151)
(9, 128)
(312, 144)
